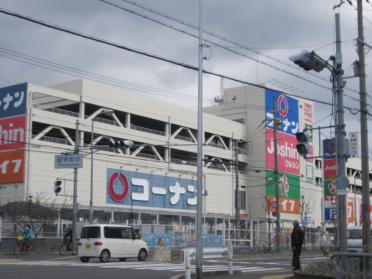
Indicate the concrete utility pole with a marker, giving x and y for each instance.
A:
(237, 193)
(363, 132)
(199, 207)
(276, 182)
(341, 181)
(74, 199)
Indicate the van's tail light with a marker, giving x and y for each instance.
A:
(97, 243)
(79, 244)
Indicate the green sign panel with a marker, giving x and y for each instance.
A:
(289, 185)
(330, 187)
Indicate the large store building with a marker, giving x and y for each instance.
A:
(154, 181)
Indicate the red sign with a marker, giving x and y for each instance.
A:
(12, 132)
(121, 194)
(288, 158)
(292, 206)
(350, 211)
(12, 166)
(330, 168)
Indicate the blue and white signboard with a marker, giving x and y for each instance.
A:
(150, 190)
(330, 214)
(13, 100)
(286, 110)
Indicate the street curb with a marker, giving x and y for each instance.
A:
(182, 276)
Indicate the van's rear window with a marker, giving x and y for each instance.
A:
(90, 232)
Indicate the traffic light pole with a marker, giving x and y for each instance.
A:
(74, 199)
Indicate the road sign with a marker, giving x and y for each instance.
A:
(68, 161)
(274, 213)
(274, 204)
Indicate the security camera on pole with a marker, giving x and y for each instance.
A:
(311, 61)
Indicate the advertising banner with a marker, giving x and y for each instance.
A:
(150, 190)
(13, 100)
(329, 174)
(354, 144)
(12, 132)
(330, 168)
(286, 205)
(288, 158)
(12, 166)
(286, 110)
(289, 185)
(331, 213)
(329, 148)
(13, 125)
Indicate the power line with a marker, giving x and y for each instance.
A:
(156, 57)
(167, 16)
(212, 34)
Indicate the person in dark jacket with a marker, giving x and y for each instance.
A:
(297, 239)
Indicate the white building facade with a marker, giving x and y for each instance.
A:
(152, 182)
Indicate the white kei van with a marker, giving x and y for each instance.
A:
(111, 241)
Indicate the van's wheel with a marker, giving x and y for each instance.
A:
(84, 259)
(142, 255)
(105, 256)
(122, 259)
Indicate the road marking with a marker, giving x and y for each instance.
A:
(7, 261)
(142, 266)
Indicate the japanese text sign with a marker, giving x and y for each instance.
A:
(65, 161)
(12, 132)
(286, 111)
(13, 100)
(150, 190)
(12, 166)
(288, 157)
(329, 148)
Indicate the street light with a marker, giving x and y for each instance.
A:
(311, 61)
(106, 112)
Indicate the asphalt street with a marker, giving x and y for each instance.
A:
(62, 268)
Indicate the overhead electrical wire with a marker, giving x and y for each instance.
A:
(150, 55)
(167, 16)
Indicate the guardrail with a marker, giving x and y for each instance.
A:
(208, 253)
(353, 265)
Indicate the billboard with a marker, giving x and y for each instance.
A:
(12, 132)
(12, 166)
(13, 127)
(287, 155)
(150, 190)
(285, 110)
(329, 175)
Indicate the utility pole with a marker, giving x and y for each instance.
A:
(91, 173)
(74, 199)
(237, 194)
(363, 133)
(276, 182)
(199, 207)
(341, 181)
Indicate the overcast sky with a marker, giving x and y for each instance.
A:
(274, 28)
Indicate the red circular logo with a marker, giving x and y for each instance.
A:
(115, 196)
(282, 106)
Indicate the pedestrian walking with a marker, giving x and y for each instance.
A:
(297, 240)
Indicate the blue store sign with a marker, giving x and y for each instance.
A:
(150, 190)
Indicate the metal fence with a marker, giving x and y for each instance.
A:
(353, 265)
(254, 237)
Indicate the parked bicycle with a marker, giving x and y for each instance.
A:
(23, 246)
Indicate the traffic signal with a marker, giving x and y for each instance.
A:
(123, 143)
(309, 61)
(302, 146)
(57, 186)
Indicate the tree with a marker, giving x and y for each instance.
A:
(28, 212)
